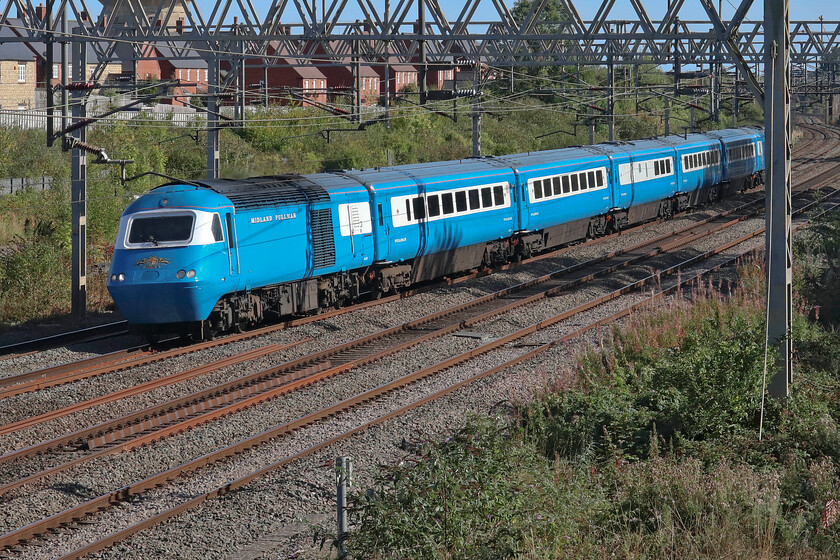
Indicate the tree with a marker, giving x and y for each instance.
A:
(550, 20)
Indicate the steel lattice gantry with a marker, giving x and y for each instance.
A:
(401, 29)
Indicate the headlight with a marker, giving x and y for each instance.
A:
(191, 274)
(180, 274)
(113, 278)
(121, 277)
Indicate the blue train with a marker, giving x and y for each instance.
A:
(215, 255)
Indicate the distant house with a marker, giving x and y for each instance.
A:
(183, 67)
(440, 77)
(399, 76)
(110, 74)
(341, 78)
(18, 71)
(285, 78)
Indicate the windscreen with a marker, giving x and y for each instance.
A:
(161, 229)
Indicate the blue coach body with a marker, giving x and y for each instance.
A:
(226, 253)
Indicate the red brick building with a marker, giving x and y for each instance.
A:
(399, 76)
(286, 78)
(163, 64)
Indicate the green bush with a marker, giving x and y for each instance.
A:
(480, 494)
(706, 386)
(33, 275)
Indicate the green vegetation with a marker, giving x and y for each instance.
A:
(647, 448)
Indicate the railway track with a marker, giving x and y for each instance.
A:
(142, 486)
(174, 416)
(361, 353)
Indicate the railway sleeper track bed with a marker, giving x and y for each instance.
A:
(156, 498)
(64, 373)
(167, 419)
(501, 342)
(144, 427)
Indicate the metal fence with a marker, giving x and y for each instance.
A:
(30, 119)
(13, 185)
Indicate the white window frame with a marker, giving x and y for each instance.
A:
(686, 160)
(202, 232)
(354, 219)
(641, 171)
(400, 219)
(568, 175)
(21, 72)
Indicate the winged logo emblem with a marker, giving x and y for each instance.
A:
(152, 262)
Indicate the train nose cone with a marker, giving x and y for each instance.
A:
(149, 275)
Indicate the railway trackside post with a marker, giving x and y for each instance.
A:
(777, 132)
(212, 117)
(343, 481)
(78, 188)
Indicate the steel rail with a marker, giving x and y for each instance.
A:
(78, 512)
(193, 412)
(87, 334)
(148, 386)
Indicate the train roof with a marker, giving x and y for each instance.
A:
(409, 174)
(292, 189)
(274, 190)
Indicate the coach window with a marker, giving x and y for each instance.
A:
(499, 195)
(583, 184)
(461, 201)
(591, 175)
(434, 205)
(446, 200)
(558, 188)
(537, 189)
(419, 208)
(575, 187)
(408, 209)
(486, 197)
(475, 203)
(566, 188)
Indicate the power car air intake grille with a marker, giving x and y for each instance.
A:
(323, 242)
(276, 190)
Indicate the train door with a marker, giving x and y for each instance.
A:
(623, 180)
(519, 201)
(381, 216)
(232, 250)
